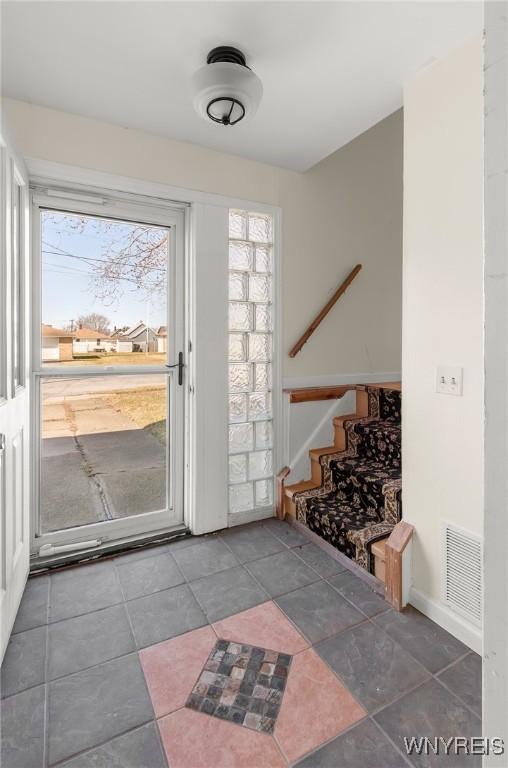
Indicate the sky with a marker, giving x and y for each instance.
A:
(69, 255)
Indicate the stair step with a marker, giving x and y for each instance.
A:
(315, 465)
(305, 485)
(378, 440)
(340, 436)
(362, 489)
(368, 485)
(338, 421)
(334, 520)
(365, 469)
(315, 453)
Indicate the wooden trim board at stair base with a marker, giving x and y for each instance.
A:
(289, 508)
(280, 491)
(378, 553)
(395, 545)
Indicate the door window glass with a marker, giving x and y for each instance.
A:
(104, 291)
(103, 448)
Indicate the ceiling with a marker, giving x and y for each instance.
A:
(330, 70)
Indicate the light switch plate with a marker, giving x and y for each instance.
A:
(449, 380)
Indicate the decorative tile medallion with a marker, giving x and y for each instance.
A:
(243, 684)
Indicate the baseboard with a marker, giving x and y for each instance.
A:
(375, 584)
(240, 518)
(339, 378)
(452, 622)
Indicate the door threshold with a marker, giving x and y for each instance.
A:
(107, 550)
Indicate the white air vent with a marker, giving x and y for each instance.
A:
(462, 572)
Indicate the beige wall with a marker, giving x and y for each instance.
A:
(347, 209)
(442, 435)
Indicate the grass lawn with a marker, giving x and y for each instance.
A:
(145, 406)
(117, 358)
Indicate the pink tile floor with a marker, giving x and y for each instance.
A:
(315, 708)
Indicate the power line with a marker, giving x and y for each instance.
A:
(62, 252)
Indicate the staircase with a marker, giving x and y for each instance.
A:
(353, 499)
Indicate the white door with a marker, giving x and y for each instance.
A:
(109, 420)
(14, 388)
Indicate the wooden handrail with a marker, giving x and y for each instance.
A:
(328, 306)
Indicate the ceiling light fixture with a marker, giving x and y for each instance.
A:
(225, 89)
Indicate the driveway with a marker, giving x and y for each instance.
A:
(97, 464)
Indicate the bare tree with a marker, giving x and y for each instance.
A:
(132, 256)
(96, 322)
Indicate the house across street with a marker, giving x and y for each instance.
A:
(65, 345)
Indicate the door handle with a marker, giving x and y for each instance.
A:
(180, 365)
(2, 443)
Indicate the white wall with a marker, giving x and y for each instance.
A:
(123, 346)
(495, 648)
(347, 209)
(442, 435)
(50, 349)
(310, 425)
(209, 434)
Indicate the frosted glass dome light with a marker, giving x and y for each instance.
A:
(225, 89)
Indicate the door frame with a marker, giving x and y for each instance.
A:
(128, 207)
(206, 237)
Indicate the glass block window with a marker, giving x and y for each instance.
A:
(251, 472)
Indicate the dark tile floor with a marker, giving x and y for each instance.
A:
(74, 693)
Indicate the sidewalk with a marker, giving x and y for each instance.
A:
(97, 464)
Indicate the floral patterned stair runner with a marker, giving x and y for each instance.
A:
(359, 500)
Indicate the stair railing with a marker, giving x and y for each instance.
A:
(328, 306)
